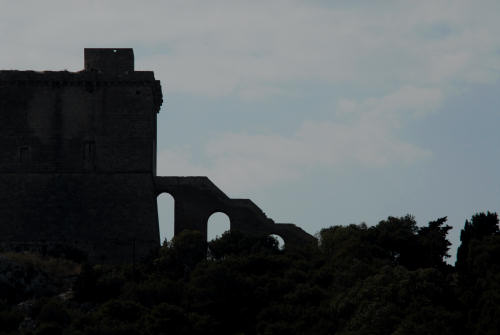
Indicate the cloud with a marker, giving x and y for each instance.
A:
(405, 103)
(366, 137)
(252, 49)
(405, 55)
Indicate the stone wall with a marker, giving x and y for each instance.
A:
(76, 122)
(197, 198)
(104, 215)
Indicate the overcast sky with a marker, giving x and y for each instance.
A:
(321, 112)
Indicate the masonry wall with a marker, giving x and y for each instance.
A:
(49, 121)
(110, 217)
(197, 198)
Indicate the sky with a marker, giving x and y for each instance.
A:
(322, 112)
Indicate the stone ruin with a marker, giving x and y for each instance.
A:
(78, 165)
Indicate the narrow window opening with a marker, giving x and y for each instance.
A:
(89, 153)
(24, 154)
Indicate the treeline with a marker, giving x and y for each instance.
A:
(391, 278)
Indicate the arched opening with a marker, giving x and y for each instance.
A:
(166, 217)
(281, 241)
(218, 223)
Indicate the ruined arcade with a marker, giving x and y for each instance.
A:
(78, 164)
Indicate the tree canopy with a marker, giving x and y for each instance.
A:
(391, 278)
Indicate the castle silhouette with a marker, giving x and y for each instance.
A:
(78, 165)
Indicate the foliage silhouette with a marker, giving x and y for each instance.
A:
(390, 278)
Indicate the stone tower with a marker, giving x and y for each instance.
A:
(78, 164)
(77, 157)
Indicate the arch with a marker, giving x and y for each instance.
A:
(281, 241)
(218, 223)
(166, 216)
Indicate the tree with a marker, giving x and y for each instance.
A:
(480, 226)
(433, 244)
(478, 267)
